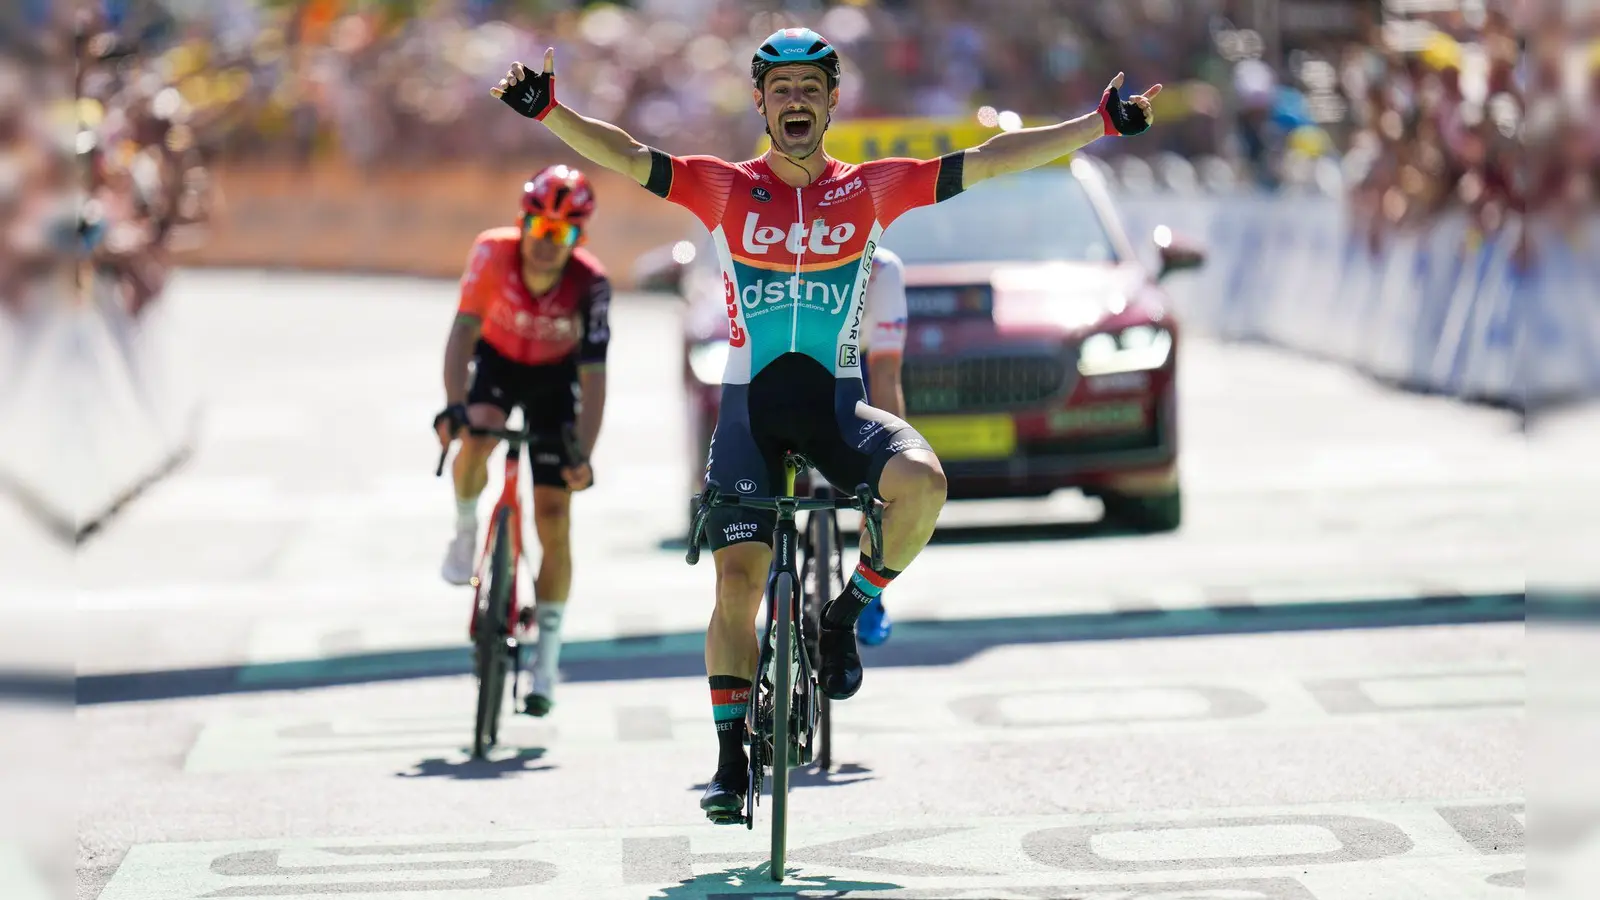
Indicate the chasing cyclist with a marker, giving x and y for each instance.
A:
(534, 321)
(795, 232)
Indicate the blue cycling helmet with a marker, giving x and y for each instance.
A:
(795, 45)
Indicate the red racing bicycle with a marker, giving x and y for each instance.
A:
(499, 623)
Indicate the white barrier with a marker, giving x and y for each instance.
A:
(91, 411)
(1437, 310)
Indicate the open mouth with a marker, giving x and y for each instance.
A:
(796, 126)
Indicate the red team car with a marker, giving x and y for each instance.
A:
(1040, 353)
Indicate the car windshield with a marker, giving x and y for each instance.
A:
(1039, 216)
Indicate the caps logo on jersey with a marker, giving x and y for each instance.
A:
(761, 194)
(843, 192)
(745, 485)
(823, 239)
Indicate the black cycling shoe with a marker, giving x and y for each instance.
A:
(723, 800)
(840, 675)
(537, 705)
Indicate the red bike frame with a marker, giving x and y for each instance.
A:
(509, 497)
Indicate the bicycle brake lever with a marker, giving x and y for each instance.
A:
(874, 523)
(697, 530)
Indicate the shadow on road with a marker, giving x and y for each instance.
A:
(755, 883)
(810, 776)
(980, 534)
(469, 769)
(915, 643)
(844, 773)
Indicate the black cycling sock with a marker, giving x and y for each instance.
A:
(864, 587)
(730, 699)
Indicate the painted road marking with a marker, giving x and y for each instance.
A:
(1398, 851)
(429, 725)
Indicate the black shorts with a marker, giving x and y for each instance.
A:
(795, 404)
(548, 395)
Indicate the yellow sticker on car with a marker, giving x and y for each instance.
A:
(969, 437)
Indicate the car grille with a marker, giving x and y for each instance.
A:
(980, 383)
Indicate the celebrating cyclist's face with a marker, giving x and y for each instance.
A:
(796, 102)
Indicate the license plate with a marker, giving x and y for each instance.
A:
(969, 437)
(1102, 417)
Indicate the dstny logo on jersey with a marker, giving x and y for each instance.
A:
(821, 238)
(814, 293)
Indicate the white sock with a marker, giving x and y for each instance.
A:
(549, 616)
(467, 515)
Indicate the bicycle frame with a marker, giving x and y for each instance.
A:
(517, 441)
(509, 497)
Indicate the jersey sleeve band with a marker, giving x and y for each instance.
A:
(660, 182)
(950, 175)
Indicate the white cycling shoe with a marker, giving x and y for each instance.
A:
(457, 568)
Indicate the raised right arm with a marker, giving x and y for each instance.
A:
(599, 142)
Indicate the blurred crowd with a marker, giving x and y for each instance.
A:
(101, 175)
(1465, 108)
(1487, 114)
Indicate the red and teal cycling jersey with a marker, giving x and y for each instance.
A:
(796, 261)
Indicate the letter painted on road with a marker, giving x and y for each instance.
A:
(1489, 829)
(1073, 848)
(478, 875)
(1214, 703)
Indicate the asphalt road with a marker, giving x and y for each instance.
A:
(1313, 691)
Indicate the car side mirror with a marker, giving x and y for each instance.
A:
(662, 268)
(1177, 253)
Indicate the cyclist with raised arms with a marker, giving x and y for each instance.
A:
(796, 232)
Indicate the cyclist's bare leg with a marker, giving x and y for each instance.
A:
(471, 475)
(731, 646)
(732, 653)
(913, 488)
(552, 521)
(552, 508)
(472, 461)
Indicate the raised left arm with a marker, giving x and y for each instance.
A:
(1028, 148)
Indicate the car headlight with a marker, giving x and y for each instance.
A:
(1097, 348)
(1133, 349)
(708, 361)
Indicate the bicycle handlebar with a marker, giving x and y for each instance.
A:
(567, 439)
(861, 501)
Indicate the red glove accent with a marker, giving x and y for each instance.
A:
(1105, 114)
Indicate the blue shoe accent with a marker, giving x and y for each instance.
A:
(873, 626)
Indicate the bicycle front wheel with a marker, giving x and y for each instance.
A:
(782, 707)
(494, 604)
